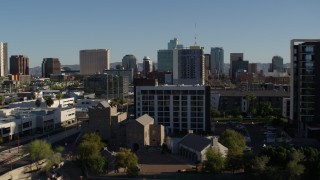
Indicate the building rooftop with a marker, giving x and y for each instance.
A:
(105, 104)
(145, 120)
(195, 142)
(238, 93)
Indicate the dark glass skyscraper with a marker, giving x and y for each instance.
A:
(305, 86)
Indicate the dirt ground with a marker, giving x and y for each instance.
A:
(152, 162)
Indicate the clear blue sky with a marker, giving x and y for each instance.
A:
(60, 28)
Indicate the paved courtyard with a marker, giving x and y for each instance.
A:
(153, 162)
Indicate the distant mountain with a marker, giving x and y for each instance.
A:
(37, 71)
(75, 67)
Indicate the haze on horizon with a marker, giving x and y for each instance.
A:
(60, 28)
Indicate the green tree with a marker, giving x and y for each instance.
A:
(54, 159)
(215, 112)
(58, 97)
(215, 161)
(59, 149)
(311, 162)
(39, 150)
(89, 152)
(76, 84)
(12, 100)
(56, 87)
(235, 112)
(2, 100)
(96, 163)
(49, 101)
(86, 149)
(133, 171)
(294, 169)
(38, 102)
(251, 98)
(266, 109)
(126, 158)
(234, 141)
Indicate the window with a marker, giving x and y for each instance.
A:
(308, 49)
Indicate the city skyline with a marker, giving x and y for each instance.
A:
(260, 30)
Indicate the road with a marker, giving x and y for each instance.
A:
(64, 136)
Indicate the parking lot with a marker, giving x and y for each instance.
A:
(153, 162)
(254, 133)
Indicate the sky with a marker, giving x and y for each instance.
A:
(60, 28)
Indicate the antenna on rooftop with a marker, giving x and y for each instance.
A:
(195, 34)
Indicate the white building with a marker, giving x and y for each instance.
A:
(94, 61)
(3, 59)
(178, 107)
(26, 121)
(66, 102)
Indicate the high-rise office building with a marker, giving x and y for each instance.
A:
(253, 68)
(188, 65)
(305, 86)
(19, 64)
(3, 59)
(277, 64)
(147, 65)
(178, 108)
(174, 44)
(234, 57)
(207, 63)
(239, 65)
(165, 57)
(50, 66)
(217, 60)
(129, 62)
(94, 61)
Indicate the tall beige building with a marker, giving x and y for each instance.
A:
(3, 59)
(94, 61)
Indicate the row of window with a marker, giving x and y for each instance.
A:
(172, 92)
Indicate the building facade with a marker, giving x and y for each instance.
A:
(234, 57)
(189, 66)
(239, 65)
(217, 60)
(305, 87)
(178, 107)
(277, 64)
(165, 60)
(94, 61)
(147, 66)
(3, 59)
(165, 56)
(19, 64)
(107, 86)
(50, 66)
(129, 62)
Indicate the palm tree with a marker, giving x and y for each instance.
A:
(250, 98)
(59, 96)
(3, 100)
(49, 101)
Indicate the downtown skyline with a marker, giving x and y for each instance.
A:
(61, 29)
